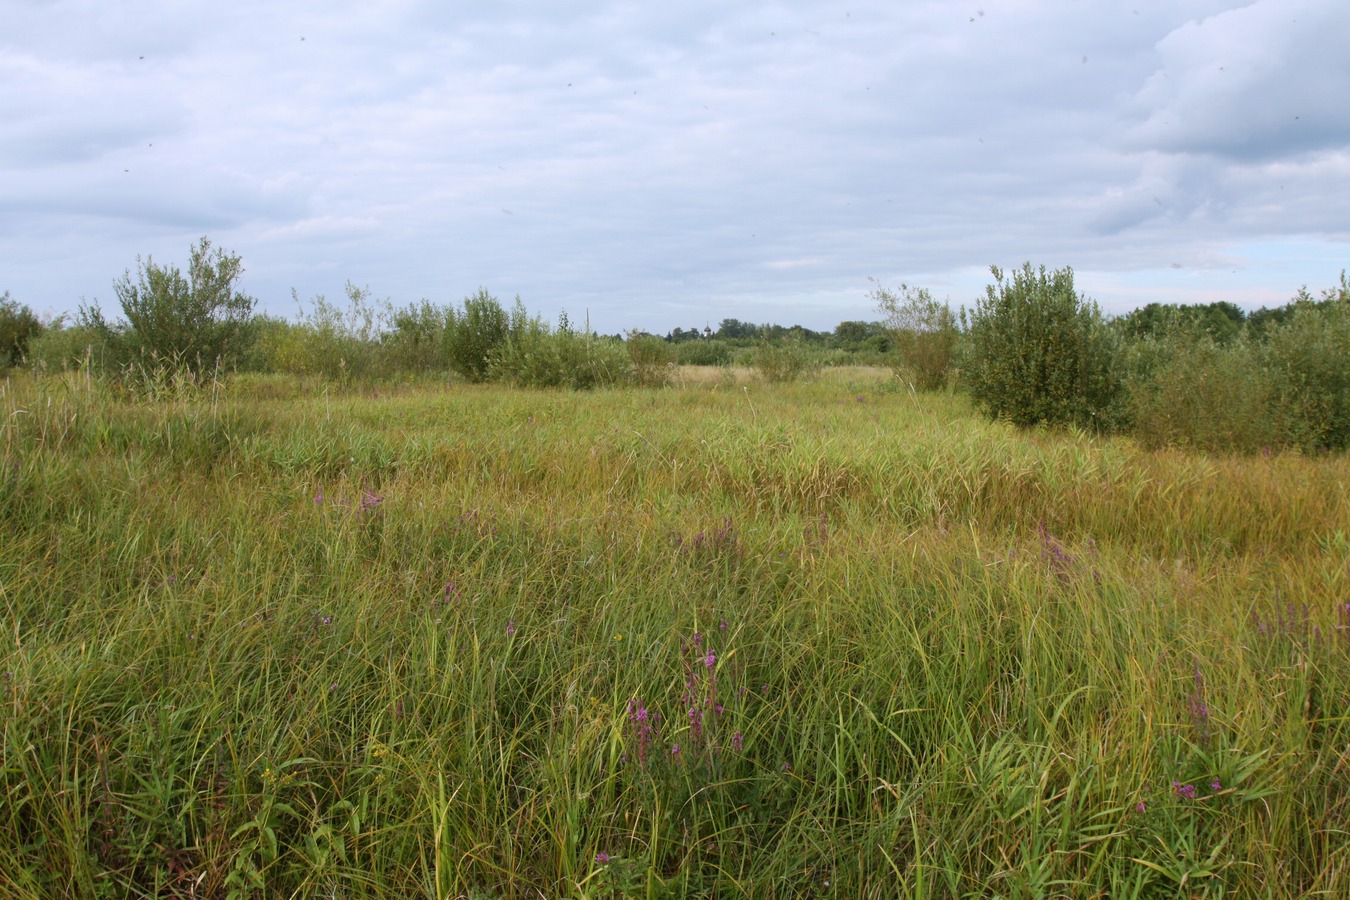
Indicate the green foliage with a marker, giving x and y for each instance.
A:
(18, 328)
(923, 334)
(784, 359)
(193, 322)
(327, 341)
(63, 346)
(1200, 393)
(681, 336)
(534, 355)
(474, 334)
(652, 359)
(1309, 362)
(1221, 322)
(1284, 382)
(704, 352)
(735, 329)
(850, 335)
(416, 344)
(1039, 353)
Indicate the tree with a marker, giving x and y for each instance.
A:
(18, 326)
(194, 321)
(1038, 352)
(730, 329)
(851, 334)
(923, 333)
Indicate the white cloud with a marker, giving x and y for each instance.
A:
(1259, 82)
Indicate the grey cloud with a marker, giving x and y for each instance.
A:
(652, 157)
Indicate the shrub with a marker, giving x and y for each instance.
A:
(326, 341)
(191, 322)
(533, 355)
(416, 343)
(61, 346)
(923, 334)
(1204, 394)
(783, 360)
(651, 358)
(1038, 352)
(474, 334)
(704, 352)
(1310, 371)
(18, 327)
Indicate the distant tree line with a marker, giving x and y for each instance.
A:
(1032, 351)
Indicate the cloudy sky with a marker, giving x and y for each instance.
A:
(672, 164)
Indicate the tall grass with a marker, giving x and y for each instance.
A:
(799, 640)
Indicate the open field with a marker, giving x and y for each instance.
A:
(824, 639)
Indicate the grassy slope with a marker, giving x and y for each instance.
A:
(892, 642)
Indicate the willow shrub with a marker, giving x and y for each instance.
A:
(1309, 360)
(784, 360)
(18, 327)
(922, 332)
(1038, 353)
(535, 355)
(652, 359)
(1205, 395)
(474, 334)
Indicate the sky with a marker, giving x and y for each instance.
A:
(657, 165)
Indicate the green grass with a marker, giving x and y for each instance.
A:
(947, 658)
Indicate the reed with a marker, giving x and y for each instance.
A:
(823, 638)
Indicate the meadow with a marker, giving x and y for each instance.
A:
(272, 638)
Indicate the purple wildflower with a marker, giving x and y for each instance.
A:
(641, 722)
(737, 741)
(511, 628)
(1215, 785)
(1198, 708)
(602, 858)
(1184, 791)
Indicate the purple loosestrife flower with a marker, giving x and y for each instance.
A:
(710, 660)
(641, 722)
